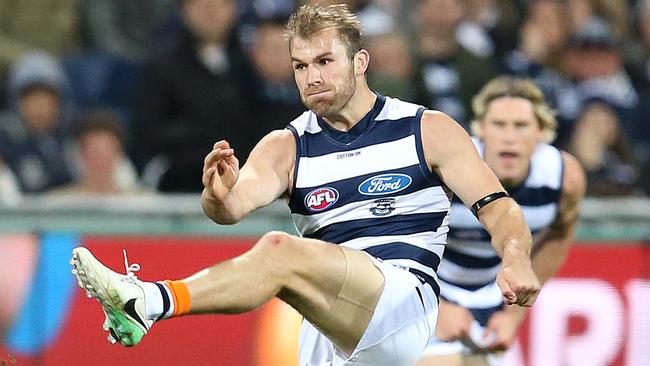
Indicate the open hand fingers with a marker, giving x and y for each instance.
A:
(215, 156)
(208, 174)
(221, 144)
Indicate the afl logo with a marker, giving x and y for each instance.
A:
(321, 198)
(384, 184)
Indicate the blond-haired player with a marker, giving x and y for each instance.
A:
(513, 126)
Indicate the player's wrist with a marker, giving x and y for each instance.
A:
(514, 253)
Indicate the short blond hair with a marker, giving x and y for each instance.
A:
(515, 87)
(309, 20)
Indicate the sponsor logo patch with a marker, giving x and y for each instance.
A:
(382, 206)
(384, 184)
(321, 198)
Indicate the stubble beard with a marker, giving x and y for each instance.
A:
(332, 106)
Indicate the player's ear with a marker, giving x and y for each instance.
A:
(361, 61)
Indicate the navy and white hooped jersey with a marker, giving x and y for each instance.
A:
(469, 261)
(370, 188)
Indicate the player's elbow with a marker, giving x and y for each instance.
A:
(218, 215)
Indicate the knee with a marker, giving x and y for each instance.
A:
(274, 243)
(276, 251)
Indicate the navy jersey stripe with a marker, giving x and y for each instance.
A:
(469, 261)
(349, 189)
(482, 315)
(466, 286)
(296, 162)
(539, 196)
(392, 225)
(425, 278)
(360, 129)
(405, 251)
(432, 176)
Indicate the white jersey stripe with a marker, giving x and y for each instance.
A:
(469, 276)
(386, 156)
(485, 297)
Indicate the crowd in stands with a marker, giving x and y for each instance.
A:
(127, 97)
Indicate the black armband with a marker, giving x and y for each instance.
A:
(486, 200)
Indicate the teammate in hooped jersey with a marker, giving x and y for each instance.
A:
(368, 181)
(512, 125)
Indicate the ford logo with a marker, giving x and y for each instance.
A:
(321, 198)
(384, 184)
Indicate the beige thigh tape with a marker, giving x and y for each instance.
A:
(355, 303)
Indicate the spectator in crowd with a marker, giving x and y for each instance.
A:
(448, 75)
(497, 19)
(614, 12)
(277, 100)
(103, 168)
(391, 68)
(604, 151)
(543, 38)
(33, 140)
(192, 94)
(26, 25)
(543, 35)
(594, 62)
(124, 28)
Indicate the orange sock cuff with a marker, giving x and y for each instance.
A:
(181, 296)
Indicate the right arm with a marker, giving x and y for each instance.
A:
(229, 195)
(450, 152)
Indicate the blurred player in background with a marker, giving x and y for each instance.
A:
(359, 170)
(513, 126)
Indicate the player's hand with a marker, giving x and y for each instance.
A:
(454, 322)
(502, 326)
(517, 281)
(220, 170)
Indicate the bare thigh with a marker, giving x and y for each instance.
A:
(334, 288)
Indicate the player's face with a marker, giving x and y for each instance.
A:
(510, 131)
(323, 72)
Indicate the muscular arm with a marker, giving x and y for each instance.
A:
(550, 251)
(552, 246)
(450, 152)
(229, 195)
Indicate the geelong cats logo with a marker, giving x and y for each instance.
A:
(382, 206)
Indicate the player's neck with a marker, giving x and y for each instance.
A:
(357, 107)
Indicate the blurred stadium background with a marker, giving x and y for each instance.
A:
(107, 108)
